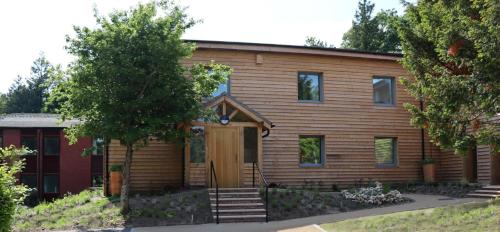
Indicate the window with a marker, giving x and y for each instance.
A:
(51, 184)
(385, 151)
(311, 150)
(30, 143)
(309, 86)
(51, 146)
(97, 181)
(98, 144)
(222, 88)
(383, 90)
(29, 180)
(250, 143)
(197, 145)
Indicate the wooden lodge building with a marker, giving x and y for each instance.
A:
(320, 116)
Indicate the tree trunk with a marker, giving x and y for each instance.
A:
(124, 199)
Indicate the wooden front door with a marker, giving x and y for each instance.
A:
(223, 146)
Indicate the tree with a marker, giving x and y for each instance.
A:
(127, 82)
(27, 95)
(312, 41)
(11, 194)
(378, 34)
(3, 102)
(451, 48)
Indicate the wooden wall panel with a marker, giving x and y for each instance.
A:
(153, 167)
(197, 175)
(347, 117)
(483, 164)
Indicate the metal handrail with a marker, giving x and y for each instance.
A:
(264, 180)
(212, 171)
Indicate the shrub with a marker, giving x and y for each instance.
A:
(373, 195)
(11, 194)
(116, 168)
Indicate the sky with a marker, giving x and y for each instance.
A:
(30, 27)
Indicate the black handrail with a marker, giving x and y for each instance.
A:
(212, 171)
(264, 180)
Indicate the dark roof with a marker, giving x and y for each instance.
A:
(34, 120)
(344, 50)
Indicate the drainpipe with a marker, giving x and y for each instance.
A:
(268, 131)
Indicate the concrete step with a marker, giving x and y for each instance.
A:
(492, 187)
(235, 194)
(241, 218)
(238, 205)
(223, 199)
(225, 190)
(482, 195)
(239, 211)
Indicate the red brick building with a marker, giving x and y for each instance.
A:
(54, 167)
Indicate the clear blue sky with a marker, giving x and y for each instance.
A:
(31, 27)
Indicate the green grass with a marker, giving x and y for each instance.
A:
(89, 209)
(466, 217)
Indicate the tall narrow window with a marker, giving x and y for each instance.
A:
(98, 144)
(385, 151)
(197, 145)
(250, 141)
(51, 184)
(29, 180)
(30, 143)
(383, 91)
(309, 86)
(51, 146)
(311, 150)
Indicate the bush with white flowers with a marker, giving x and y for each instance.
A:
(373, 195)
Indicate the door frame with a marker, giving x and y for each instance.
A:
(240, 126)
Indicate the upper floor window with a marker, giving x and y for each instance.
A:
(385, 151)
(223, 88)
(98, 144)
(30, 143)
(309, 86)
(51, 146)
(311, 150)
(383, 90)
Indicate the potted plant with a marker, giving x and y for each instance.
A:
(429, 168)
(115, 179)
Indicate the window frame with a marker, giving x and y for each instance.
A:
(395, 162)
(392, 91)
(320, 86)
(257, 145)
(322, 152)
(58, 182)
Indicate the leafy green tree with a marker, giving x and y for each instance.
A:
(312, 41)
(27, 95)
(11, 194)
(452, 50)
(378, 34)
(3, 102)
(128, 83)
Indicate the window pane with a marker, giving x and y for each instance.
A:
(29, 180)
(310, 150)
(220, 90)
(97, 181)
(250, 134)
(98, 144)
(385, 150)
(197, 145)
(30, 143)
(309, 87)
(51, 146)
(51, 184)
(382, 91)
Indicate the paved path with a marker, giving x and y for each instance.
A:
(307, 224)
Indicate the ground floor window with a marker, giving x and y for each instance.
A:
(197, 145)
(385, 151)
(250, 144)
(51, 184)
(97, 181)
(29, 180)
(311, 150)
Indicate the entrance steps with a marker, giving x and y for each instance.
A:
(490, 191)
(238, 205)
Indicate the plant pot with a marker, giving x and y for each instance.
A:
(429, 173)
(115, 183)
(455, 47)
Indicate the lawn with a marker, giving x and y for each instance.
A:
(466, 217)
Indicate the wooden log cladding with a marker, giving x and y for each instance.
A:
(347, 117)
(483, 164)
(154, 167)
